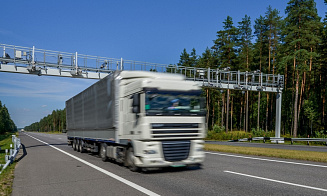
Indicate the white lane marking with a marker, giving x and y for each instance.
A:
(278, 181)
(270, 160)
(129, 183)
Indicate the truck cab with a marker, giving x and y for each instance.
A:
(162, 117)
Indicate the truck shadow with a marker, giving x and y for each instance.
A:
(171, 170)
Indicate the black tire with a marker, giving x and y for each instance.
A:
(74, 144)
(130, 160)
(77, 145)
(81, 148)
(103, 152)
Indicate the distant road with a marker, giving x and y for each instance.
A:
(51, 167)
(270, 145)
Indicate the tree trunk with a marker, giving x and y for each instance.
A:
(247, 111)
(213, 114)
(208, 106)
(227, 110)
(241, 116)
(271, 111)
(258, 117)
(244, 112)
(323, 109)
(295, 104)
(267, 112)
(301, 95)
(218, 102)
(222, 109)
(231, 116)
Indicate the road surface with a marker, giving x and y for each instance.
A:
(48, 166)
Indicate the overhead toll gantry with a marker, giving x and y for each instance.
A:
(30, 60)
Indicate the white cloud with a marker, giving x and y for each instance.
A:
(43, 106)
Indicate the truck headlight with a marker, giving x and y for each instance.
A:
(150, 152)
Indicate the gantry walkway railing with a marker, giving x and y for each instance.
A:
(31, 60)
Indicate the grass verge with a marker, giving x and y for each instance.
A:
(7, 176)
(7, 179)
(268, 152)
(5, 141)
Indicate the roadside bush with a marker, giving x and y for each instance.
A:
(320, 134)
(218, 133)
(218, 129)
(262, 133)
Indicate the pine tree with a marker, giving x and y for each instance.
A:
(206, 60)
(193, 58)
(322, 77)
(245, 45)
(184, 59)
(225, 48)
(260, 49)
(245, 52)
(225, 45)
(301, 27)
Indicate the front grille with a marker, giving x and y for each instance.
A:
(176, 150)
(175, 130)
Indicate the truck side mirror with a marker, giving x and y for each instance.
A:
(136, 103)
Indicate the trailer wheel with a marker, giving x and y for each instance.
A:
(75, 144)
(81, 148)
(130, 160)
(103, 152)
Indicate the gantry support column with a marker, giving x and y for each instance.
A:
(278, 114)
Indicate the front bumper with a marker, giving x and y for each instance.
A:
(157, 159)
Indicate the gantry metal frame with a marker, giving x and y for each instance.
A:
(30, 60)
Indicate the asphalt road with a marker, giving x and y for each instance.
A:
(53, 168)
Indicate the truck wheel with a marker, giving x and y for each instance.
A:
(103, 152)
(81, 148)
(77, 145)
(130, 160)
(74, 144)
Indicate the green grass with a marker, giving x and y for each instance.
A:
(269, 152)
(7, 176)
(7, 179)
(5, 141)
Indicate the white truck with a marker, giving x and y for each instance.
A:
(140, 119)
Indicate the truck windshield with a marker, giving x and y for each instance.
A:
(170, 103)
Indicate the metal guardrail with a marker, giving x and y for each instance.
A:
(12, 152)
(281, 139)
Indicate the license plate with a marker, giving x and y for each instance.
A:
(178, 164)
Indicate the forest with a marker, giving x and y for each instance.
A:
(294, 45)
(6, 123)
(54, 122)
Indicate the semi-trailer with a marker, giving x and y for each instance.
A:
(140, 119)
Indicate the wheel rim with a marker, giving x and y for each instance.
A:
(80, 145)
(103, 151)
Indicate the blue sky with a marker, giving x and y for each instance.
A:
(143, 30)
